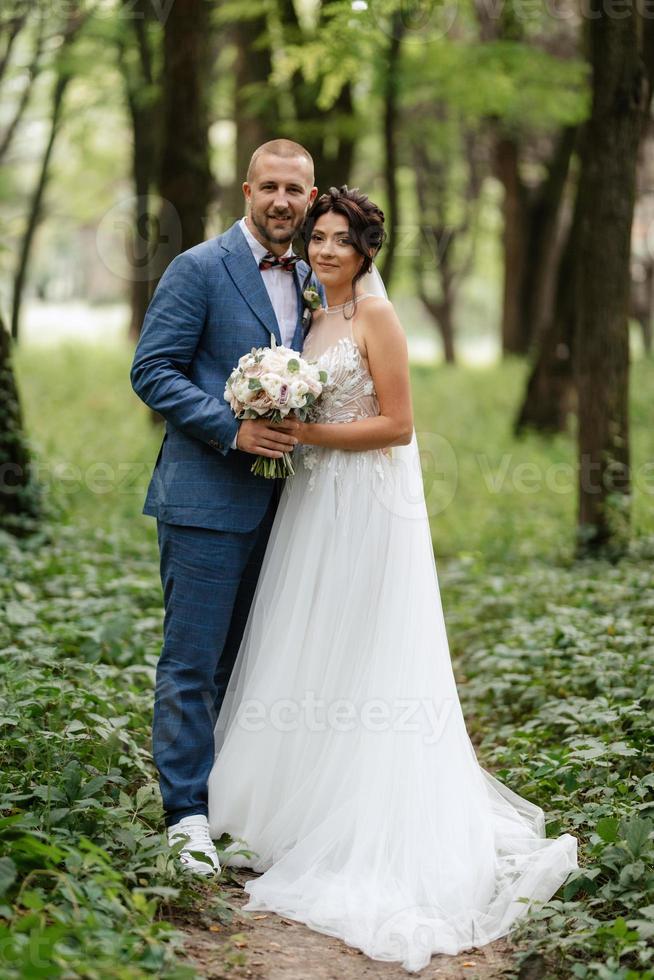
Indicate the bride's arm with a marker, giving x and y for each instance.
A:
(384, 344)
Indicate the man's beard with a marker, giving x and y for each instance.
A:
(281, 239)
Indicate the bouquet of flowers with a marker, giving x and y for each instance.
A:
(271, 383)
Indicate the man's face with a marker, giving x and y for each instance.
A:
(279, 196)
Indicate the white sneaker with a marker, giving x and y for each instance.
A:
(195, 831)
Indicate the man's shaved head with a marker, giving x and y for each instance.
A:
(279, 148)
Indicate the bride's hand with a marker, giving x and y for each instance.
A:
(302, 431)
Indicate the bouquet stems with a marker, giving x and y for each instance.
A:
(273, 469)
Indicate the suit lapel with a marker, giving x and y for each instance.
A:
(244, 271)
(299, 274)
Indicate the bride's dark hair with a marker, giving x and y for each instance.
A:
(365, 220)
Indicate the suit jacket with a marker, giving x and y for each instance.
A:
(209, 308)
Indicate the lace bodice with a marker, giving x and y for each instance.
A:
(348, 395)
(350, 391)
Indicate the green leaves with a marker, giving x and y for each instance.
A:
(608, 828)
(556, 657)
(19, 614)
(639, 835)
(80, 827)
(7, 874)
(558, 692)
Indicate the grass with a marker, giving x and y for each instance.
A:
(554, 660)
(488, 493)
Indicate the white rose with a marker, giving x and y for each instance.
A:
(298, 392)
(242, 391)
(273, 361)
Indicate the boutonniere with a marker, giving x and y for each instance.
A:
(312, 298)
(312, 301)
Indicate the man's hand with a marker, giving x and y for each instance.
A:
(261, 437)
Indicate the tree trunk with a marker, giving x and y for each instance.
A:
(515, 244)
(446, 250)
(443, 314)
(542, 225)
(136, 61)
(185, 179)
(530, 226)
(601, 355)
(550, 393)
(36, 203)
(391, 86)
(19, 499)
(255, 102)
(442, 310)
(333, 158)
(328, 136)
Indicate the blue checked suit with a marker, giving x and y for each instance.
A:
(213, 515)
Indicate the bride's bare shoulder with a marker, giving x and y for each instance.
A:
(378, 326)
(377, 312)
(374, 305)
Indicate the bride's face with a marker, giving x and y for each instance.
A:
(331, 253)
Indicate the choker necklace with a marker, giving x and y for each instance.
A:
(341, 306)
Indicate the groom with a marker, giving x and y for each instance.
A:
(214, 303)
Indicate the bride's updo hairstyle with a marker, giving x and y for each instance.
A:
(365, 220)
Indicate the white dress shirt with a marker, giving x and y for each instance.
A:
(280, 286)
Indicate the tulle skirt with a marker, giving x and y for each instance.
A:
(343, 760)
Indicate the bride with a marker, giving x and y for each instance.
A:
(343, 762)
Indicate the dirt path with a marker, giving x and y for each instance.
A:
(272, 947)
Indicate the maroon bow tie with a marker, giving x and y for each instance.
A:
(285, 262)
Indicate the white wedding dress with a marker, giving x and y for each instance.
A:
(343, 759)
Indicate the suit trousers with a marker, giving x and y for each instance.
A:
(208, 578)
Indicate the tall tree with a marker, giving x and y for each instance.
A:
(256, 100)
(138, 37)
(390, 136)
(530, 207)
(328, 136)
(550, 395)
(531, 214)
(448, 169)
(19, 497)
(185, 182)
(620, 94)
